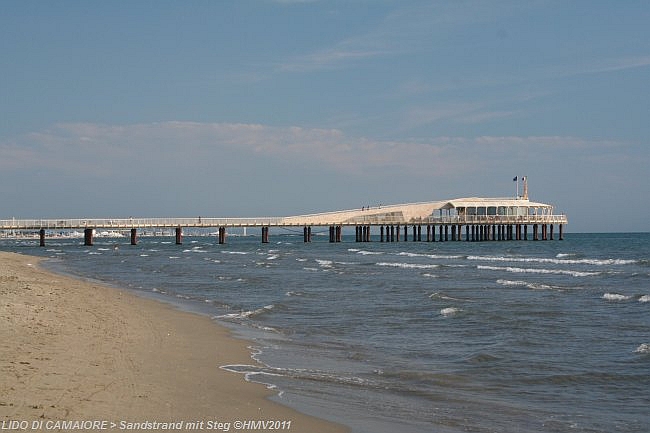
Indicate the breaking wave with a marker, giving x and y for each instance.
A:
(407, 265)
(615, 297)
(535, 286)
(556, 261)
(431, 256)
(449, 311)
(643, 348)
(538, 271)
(298, 373)
(246, 314)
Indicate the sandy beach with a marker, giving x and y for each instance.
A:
(77, 351)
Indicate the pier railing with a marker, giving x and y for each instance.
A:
(199, 222)
(453, 220)
(499, 219)
(129, 223)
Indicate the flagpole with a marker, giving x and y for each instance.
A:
(516, 179)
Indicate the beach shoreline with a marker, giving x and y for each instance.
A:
(78, 355)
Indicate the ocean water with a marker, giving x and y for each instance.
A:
(510, 336)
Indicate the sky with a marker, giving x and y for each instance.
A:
(273, 108)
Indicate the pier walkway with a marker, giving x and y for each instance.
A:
(482, 218)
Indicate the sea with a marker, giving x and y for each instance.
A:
(499, 336)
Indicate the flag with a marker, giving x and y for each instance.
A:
(514, 179)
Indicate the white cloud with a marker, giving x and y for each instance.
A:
(106, 149)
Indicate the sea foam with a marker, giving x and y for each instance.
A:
(556, 261)
(519, 283)
(449, 311)
(643, 348)
(537, 271)
(246, 314)
(431, 256)
(407, 265)
(615, 297)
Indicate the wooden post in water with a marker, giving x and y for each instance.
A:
(41, 236)
(222, 235)
(265, 234)
(551, 233)
(134, 236)
(179, 235)
(88, 237)
(561, 233)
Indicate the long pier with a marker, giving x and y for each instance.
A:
(482, 219)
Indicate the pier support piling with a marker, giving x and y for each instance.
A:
(41, 236)
(134, 236)
(265, 234)
(88, 237)
(179, 235)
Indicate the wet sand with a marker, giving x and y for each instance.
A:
(75, 350)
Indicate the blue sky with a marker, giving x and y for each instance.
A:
(261, 107)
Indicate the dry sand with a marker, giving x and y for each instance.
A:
(74, 350)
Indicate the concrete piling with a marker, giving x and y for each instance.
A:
(179, 235)
(88, 237)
